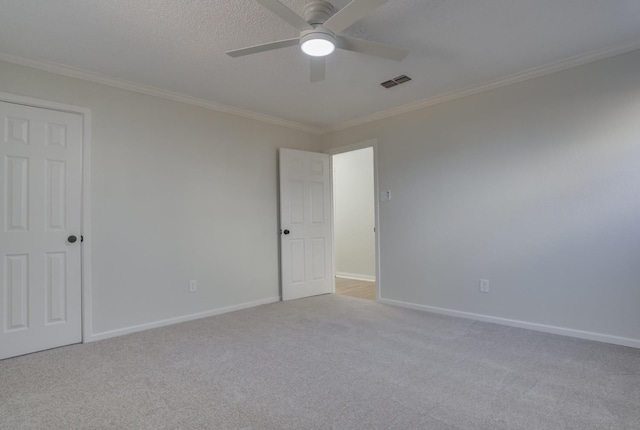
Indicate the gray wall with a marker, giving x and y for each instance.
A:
(534, 186)
(354, 214)
(179, 193)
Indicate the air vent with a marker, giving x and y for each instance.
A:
(396, 81)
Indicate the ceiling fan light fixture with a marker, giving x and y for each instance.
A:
(317, 43)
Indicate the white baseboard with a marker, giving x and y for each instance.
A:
(599, 337)
(356, 276)
(141, 327)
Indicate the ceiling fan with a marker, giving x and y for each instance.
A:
(319, 33)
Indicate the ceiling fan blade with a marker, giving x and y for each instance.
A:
(351, 13)
(371, 48)
(286, 14)
(264, 47)
(318, 68)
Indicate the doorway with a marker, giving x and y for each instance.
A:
(353, 179)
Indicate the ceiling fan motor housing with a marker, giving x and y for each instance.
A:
(318, 11)
(318, 32)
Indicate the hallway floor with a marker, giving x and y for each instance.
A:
(356, 288)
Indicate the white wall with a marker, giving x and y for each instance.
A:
(354, 216)
(535, 186)
(179, 193)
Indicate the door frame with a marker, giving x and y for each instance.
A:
(371, 143)
(85, 205)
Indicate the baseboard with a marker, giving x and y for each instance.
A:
(169, 321)
(356, 276)
(599, 337)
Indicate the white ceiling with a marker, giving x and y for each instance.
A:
(179, 45)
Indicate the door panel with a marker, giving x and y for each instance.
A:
(305, 205)
(16, 291)
(40, 206)
(55, 199)
(56, 287)
(16, 179)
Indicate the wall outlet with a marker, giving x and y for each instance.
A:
(193, 286)
(385, 196)
(484, 285)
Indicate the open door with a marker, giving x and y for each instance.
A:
(305, 224)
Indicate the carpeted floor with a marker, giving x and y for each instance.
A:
(327, 362)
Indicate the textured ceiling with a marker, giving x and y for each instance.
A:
(179, 45)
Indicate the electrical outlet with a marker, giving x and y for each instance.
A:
(385, 196)
(484, 285)
(193, 286)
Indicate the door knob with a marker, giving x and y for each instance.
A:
(286, 232)
(72, 239)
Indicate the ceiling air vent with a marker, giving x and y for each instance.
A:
(396, 81)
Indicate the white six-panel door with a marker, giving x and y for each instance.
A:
(40, 207)
(305, 221)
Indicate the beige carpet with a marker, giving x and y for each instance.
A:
(328, 362)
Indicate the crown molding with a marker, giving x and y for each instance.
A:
(98, 78)
(533, 73)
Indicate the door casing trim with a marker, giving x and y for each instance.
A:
(85, 251)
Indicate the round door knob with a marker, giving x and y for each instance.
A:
(286, 232)
(72, 239)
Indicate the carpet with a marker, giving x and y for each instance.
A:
(326, 362)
